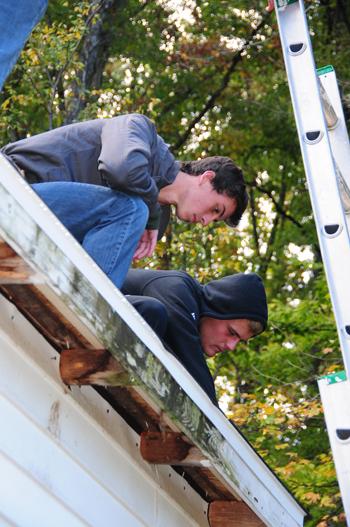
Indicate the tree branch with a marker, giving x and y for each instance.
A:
(278, 207)
(254, 222)
(236, 59)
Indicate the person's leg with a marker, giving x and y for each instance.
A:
(107, 223)
(152, 310)
(17, 19)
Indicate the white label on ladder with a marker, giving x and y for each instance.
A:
(331, 223)
(335, 400)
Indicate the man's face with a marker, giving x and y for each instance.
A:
(202, 204)
(221, 335)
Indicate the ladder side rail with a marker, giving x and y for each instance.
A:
(338, 137)
(328, 109)
(335, 401)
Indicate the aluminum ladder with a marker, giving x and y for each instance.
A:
(325, 150)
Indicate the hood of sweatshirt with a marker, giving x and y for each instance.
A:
(236, 296)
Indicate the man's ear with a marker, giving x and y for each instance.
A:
(208, 175)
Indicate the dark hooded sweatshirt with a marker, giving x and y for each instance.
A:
(124, 153)
(186, 300)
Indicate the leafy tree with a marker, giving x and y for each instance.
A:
(211, 75)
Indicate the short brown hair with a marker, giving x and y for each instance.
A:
(228, 180)
(255, 327)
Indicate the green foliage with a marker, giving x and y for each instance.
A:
(216, 85)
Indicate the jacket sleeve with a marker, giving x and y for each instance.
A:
(182, 334)
(125, 161)
(183, 338)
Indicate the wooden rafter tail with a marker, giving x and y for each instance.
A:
(232, 514)
(92, 366)
(13, 269)
(170, 448)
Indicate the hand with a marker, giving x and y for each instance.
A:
(270, 6)
(146, 245)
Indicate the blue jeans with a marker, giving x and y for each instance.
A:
(107, 223)
(17, 19)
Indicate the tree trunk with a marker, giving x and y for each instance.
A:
(93, 54)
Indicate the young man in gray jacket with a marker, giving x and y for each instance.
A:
(112, 181)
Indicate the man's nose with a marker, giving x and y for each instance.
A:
(232, 342)
(206, 219)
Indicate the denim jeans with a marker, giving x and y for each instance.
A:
(17, 19)
(107, 223)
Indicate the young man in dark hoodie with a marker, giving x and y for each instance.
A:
(112, 181)
(195, 320)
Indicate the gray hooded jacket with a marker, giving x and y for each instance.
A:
(124, 153)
